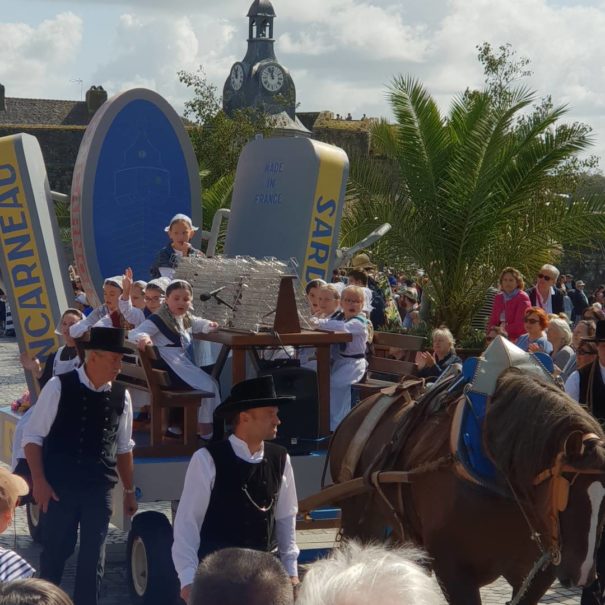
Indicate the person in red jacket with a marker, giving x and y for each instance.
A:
(510, 304)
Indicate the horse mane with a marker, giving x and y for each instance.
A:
(527, 424)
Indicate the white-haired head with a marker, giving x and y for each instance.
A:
(552, 270)
(560, 325)
(358, 574)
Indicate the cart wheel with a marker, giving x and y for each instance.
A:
(34, 521)
(151, 574)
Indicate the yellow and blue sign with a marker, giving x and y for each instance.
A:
(287, 203)
(322, 238)
(31, 259)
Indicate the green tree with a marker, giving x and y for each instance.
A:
(218, 138)
(473, 191)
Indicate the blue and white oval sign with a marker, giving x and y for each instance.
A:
(135, 170)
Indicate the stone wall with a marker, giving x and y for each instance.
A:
(352, 136)
(59, 145)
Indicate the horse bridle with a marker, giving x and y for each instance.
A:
(559, 493)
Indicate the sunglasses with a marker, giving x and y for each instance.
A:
(544, 277)
(586, 352)
(529, 320)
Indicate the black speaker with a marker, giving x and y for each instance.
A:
(299, 429)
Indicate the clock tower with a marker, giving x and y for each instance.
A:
(259, 80)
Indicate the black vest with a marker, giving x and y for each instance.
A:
(597, 405)
(81, 447)
(240, 490)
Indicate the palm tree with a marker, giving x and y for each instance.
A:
(214, 197)
(469, 193)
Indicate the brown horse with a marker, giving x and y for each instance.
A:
(548, 498)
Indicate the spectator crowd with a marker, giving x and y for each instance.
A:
(72, 462)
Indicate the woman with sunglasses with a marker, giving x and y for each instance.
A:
(545, 294)
(583, 329)
(534, 339)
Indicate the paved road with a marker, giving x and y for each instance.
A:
(114, 589)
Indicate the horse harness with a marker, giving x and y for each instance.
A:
(557, 503)
(558, 498)
(559, 492)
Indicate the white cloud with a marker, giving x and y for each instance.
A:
(305, 44)
(342, 53)
(149, 51)
(381, 32)
(34, 57)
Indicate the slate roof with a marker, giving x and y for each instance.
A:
(44, 112)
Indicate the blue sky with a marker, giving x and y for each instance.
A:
(342, 53)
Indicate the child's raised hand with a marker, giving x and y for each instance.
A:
(32, 364)
(127, 279)
(212, 326)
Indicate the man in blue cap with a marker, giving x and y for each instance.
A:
(239, 492)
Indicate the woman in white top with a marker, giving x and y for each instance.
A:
(171, 329)
(559, 335)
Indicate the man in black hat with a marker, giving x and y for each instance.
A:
(587, 386)
(77, 441)
(239, 492)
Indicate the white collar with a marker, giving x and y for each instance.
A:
(87, 383)
(242, 451)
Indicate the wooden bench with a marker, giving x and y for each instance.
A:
(384, 371)
(146, 371)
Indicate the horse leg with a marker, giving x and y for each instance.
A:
(457, 587)
(538, 587)
(359, 520)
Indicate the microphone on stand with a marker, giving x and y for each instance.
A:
(206, 296)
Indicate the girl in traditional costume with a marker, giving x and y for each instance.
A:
(171, 330)
(116, 312)
(350, 363)
(180, 231)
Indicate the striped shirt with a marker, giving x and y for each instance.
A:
(13, 567)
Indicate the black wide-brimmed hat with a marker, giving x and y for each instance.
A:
(600, 333)
(254, 393)
(107, 339)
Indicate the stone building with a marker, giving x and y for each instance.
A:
(259, 80)
(58, 125)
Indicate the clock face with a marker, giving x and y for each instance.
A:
(272, 78)
(237, 76)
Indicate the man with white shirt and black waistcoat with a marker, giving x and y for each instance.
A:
(587, 386)
(239, 492)
(77, 441)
